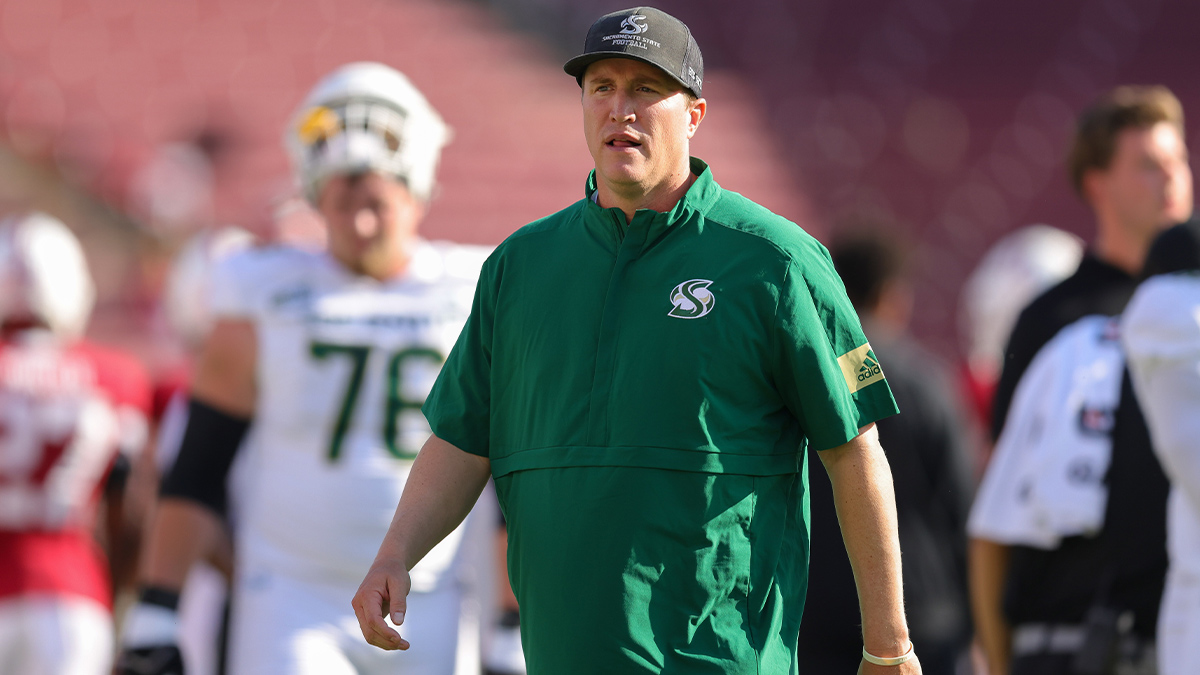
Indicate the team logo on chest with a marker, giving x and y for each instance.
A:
(692, 299)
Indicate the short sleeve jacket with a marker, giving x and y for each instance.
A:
(716, 337)
(645, 392)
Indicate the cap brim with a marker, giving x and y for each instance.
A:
(578, 65)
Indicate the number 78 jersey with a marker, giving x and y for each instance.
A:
(344, 364)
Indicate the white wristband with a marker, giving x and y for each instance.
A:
(149, 626)
(889, 661)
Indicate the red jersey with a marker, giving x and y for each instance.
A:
(66, 411)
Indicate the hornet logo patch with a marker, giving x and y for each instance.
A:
(692, 299)
(631, 26)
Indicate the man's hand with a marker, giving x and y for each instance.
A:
(441, 489)
(383, 591)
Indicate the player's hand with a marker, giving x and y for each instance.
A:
(909, 667)
(382, 594)
(158, 660)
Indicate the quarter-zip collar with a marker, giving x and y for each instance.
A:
(652, 226)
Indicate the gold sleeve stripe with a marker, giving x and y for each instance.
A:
(860, 368)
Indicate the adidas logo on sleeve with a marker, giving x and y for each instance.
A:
(860, 368)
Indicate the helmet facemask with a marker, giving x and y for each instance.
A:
(366, 117)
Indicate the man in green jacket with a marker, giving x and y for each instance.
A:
(642, 374)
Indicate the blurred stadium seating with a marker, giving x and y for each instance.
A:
(136, 121)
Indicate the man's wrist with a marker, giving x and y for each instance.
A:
(887, 647)
(153, 620)
(392, 553)
(159, 596)
(879, 660)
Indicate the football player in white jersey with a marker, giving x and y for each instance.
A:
(324, 360)
(69, 412)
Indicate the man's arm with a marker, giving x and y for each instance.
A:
(987, 569)
(442, 487)
(128, 494)
(866, 508)
(183, 530)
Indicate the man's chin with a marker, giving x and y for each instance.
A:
(1177, 217)
(623, 176)
(384, 259)
(377, 260)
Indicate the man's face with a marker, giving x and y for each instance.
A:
(637, 121)
(372, 222)
(1148, 184)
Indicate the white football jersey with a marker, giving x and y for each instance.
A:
(344, 364)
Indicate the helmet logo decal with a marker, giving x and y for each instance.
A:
(692, 299)
(631, 26)
(317, 125)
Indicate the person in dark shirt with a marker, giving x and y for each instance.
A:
(1129, 164)
(1096, 287)
(1016, 269)
(1110, 584)
(928, 450)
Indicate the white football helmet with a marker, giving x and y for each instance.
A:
(43, 275)
(185, 298)
(366, 117)
(1014, 271)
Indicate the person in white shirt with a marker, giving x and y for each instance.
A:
(1161, 336)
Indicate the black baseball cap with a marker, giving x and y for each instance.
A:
(645, 34)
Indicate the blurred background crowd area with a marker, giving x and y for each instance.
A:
(139, 123)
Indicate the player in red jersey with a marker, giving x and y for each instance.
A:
(69, 412)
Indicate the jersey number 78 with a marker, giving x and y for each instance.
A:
(395, 402)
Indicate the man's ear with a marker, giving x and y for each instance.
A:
(1091, 185)
(696, 111)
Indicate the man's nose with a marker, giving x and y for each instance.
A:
(366, 223)
(622, 108)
